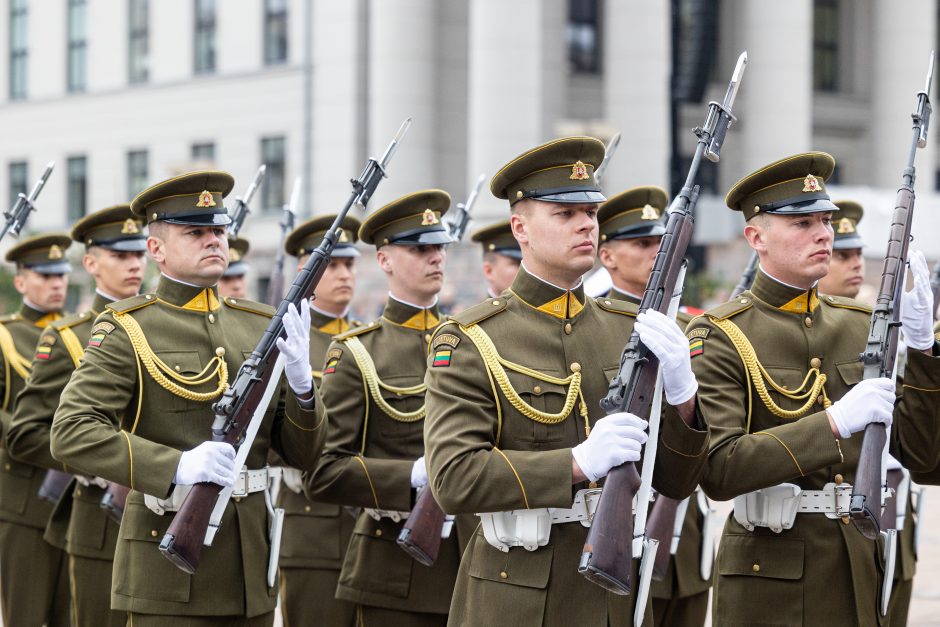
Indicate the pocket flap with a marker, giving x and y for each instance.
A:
(139, 523)
(761, 556)
(518, 567)
(181, 361)
(851, 371)
(788, 378)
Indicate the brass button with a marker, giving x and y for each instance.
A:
(154, 533)
(846, 520)
(820, 401)
(808, 322)
(176, 367)
(427, 337)
(743, 301)
(496, 303)
(211, 318)
(78, 491)
(831, 299)
(756, 568)
(606, 302)
(815, 362)
(233, 301)
(378, 533)
(237, 499)
(6, 466)
(567, 328)
(503, 574)
(148, 297)
(306, 508)
(537, 389)
(575, 367)
(838, 479)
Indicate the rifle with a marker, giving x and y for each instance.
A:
(15, 218)
(53, 485)
(238, 414)
(276, 282)
(240, 211)
(608, 553)
(935, 287)
(114, 500)
(612, 146)
(747, 277)
(458, 219)
(881, 350)
(420, 536)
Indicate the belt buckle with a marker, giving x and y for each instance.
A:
(240, 487)
(842, 498)
(586, 501)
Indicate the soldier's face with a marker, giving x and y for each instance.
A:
(558, 240)
(630, 261)
(118, 274)
(500, 271)
(233, 286)
(193, 254)
(846, 273)
(793, 249)
(413, 271)
(335, 291)
(45, 291)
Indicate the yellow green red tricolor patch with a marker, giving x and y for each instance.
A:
(441, 358)
(696, 347)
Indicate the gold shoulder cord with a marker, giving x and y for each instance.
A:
(72, 345)
(163, 374)
(12, 359)
(759, 377)
(496, 365)
(374, 384)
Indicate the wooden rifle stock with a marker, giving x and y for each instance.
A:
(114, 501)
(53, 485)
(420, 537)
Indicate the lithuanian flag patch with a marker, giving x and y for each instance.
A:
(330, 367)
(43, 352)
(696, 347)
(95, 340)
(441, 358)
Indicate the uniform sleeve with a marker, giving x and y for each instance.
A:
(87, 431)
(468, 471)
(915, 434)
(28, 437)
(681, 456)
(299, 432)
(344, 475)
(783, 453)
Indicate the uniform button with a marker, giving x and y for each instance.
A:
(427, 337)
(211, 318)
(378, 533)
(6, 466)
(567, 328)
(503, 574)
(820, 401)
(815, 362)
(756, 568)
(846, 520)
(176, 367)
(743, 301)
(233, 301)
(237, 499)
(537, 389)
(306, 508)
(148, 297)
(154, 533)
(496, 303)
(606, 302)
(575, 367)
(78, 491)
(838, 479)
(808, 322)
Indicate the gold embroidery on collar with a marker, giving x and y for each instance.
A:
(203, 301)
(424, 320)
(48, 319)
(335, 326)
(565, 306)
(799, 304)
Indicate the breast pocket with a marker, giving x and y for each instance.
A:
(790, 380)
(541, 396)
(403, 403)
(185, 364)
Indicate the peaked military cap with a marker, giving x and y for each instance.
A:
(637, 212)
(498, 238)
(193, 198)
(845, 226)
(237, 249)
(411, 220)
(114, 228)
(559, 171)
(791, 186)
(43, 253)
(306, 237)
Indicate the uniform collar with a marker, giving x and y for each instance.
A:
(782, 296)
(547, 298)
(100, 302)
(325, 323)
(624, 296)
(185, 296)
(41, 319)
(410, 316)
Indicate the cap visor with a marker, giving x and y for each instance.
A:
(204, 219)
(136, 245)
(812, 206)
(644, 230)
(236, 269)
(848, 243)
(57, 267)
(586, 196)
(346, 251)
(424, 237)
(512, 253)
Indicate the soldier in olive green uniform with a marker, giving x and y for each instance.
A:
(632, 225)
(33, 574)
(781, 388)
(234, 281)
(316, 534)
(114, 255)
(373, 384)
(501, 256)
(138, 411)
(514, 430)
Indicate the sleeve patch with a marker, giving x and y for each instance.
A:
(696, 347)
(332, 358)
(441, 358)
(104, 327)
(44, 349)
(446, 339)
(700, 333)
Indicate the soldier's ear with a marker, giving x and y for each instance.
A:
(755, 234)
(156, 248)
(519, 227)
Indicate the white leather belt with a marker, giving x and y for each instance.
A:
(531, 528)
(379, 514)
(776, 507)
(247, 482)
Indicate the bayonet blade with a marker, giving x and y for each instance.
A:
(735, 83)
(609, 152)
(392, 147)
(295, 196)
(255, 182)
(929, 74)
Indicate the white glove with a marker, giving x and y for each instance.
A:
(870, 401)
(614, 440)
(210, 461)
(296, 349)
(663, 337)
(917, 306)
(419, 473)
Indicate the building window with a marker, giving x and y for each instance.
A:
(138, 174)
(273, 155)
(138, 41)
(78, 45)
(19, 18)
(77, 188)
(275, 31)
(204, 37)
(203, 153)
(18, 183)
(826, 45)
(583, 32)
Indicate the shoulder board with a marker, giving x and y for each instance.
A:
(355, 323)
(684, 318)
(731, 308)
(845, 303)
(249, 305)
(132, 303)
(13, 317)
(481, 311)
(73, 320)
(613, 305)
(358, 330)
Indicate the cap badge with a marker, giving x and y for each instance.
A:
(130, 227)
(649, 213)
(429, 218)
(234, 255)
(811, 184)
(846, 226)
(579, 171)
(342, 236)
(55, 252)
(206, 199)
